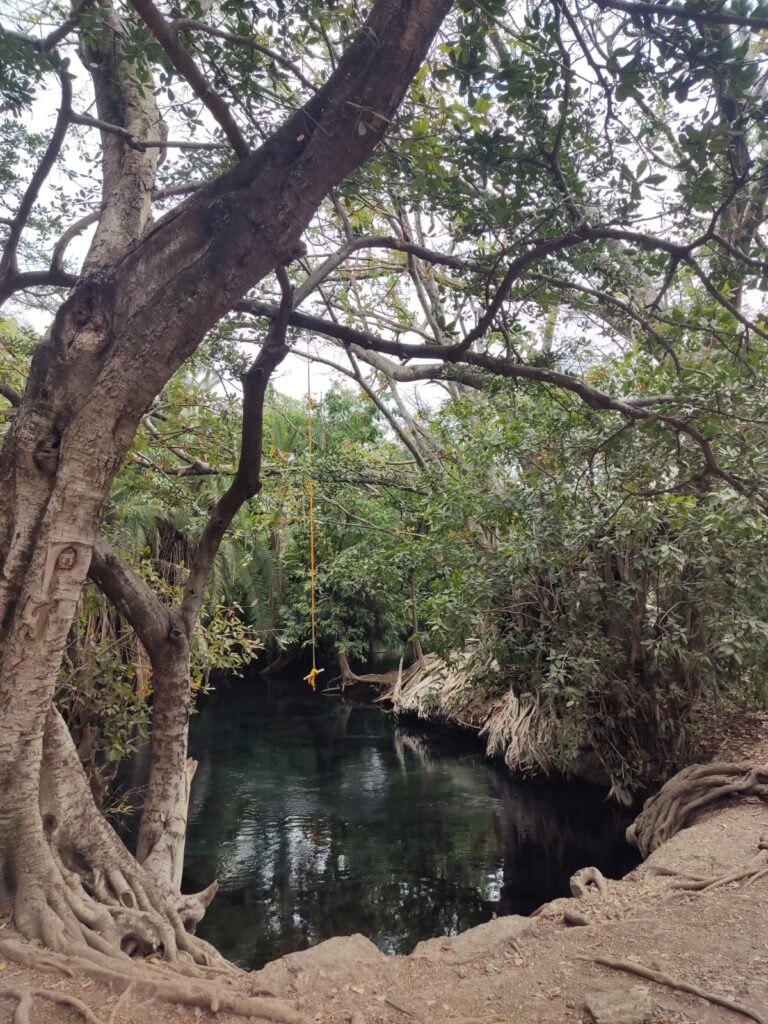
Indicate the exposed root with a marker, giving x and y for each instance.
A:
(749, 873)
(191, 908)
(386, 680)
(75, 888)
(120, 1003)
(574, 920)
(680, 986)
(27, 996)
(686, 794)
(148, 983)
(586, 880)
(434, 688)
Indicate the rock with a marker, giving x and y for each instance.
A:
(337, 959)
(621, 1006)
(484, 940)
(574, 920)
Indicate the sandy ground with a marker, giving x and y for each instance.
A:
(523, 970)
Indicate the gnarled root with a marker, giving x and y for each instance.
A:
(75, 887)
(26, 997)
(588, 880)
(686, 794)
(148, 980)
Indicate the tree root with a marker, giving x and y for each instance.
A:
(585, 879)
(150, 981)
(74, 887)
(686, 794)
(680, 986)
(26, 997)
(751, 872)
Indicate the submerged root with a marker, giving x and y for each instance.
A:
(148, 981)
(687, 794)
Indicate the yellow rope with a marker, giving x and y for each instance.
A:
(314, 672)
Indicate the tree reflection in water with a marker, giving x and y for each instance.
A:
(321, 818)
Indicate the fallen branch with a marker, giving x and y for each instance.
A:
(679, 986)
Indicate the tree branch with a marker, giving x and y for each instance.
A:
(11, 394)
(687, 13)
(189, 24)
(9, 274)
(592, 397)
(141, 145)
(130, 594)
(247, 479)
(164, 33)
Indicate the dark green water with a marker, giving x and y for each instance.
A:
(322, 818)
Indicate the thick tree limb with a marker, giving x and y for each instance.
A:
(128, 175)
(130, 594)
(188, 69)
(190, 25)
(247, 479)
(684, 13)
(11, 394)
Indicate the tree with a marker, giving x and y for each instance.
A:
(145, 297)
(513, 219)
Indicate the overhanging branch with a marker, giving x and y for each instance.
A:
(188, 69)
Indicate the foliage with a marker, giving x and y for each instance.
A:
(566, 222)
(602, 583)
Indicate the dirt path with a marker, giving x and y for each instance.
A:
(528, 971)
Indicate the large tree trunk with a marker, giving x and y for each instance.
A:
(162, 832)
(127, 326)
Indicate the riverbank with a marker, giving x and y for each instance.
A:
(548, 969)
(514, 730)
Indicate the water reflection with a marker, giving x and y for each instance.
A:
(322, 818)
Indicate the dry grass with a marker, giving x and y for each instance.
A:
(516, 729)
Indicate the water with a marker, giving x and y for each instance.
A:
(324, 818)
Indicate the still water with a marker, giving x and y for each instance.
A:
(324, 818)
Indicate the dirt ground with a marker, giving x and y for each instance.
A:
(540, 970)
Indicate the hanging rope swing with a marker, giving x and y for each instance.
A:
(314, 672)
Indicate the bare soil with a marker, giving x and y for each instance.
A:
(541, 970)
